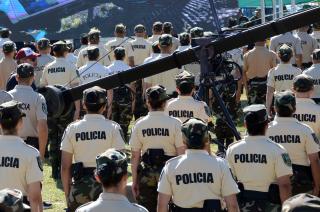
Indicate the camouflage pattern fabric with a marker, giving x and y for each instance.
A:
(300, 184)
(258, 206)
(223, 132)
(82, 191)
(148, 181)
(140, 106)
(122, 108)
(257, 93)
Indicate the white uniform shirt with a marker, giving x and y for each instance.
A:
(153, 38)
(194, 177)
(157, 130)
(165, 78)
(281, 77)
(151, 58)
(236, 56)
(111, 45)
(185, 107)
(33, 105)
(91, 136)
(289, 39)
(316, 35)
(175, 43)
(60, 72)
(42, 61)
(308, 112)
(77, 51)
(92, 71)
(117, 66)
(314, 72)
(20, 164)
(256, 162)
(297, 138)
(111, 202)
(83, 56)
(72, 58)
(309, 44)
(142, 50)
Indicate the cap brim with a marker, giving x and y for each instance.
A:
(26, 207)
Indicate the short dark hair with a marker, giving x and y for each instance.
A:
(155, 48)
(10, 126)
(283, 111)
(84, 40)
(93, 56)
(285, 58)
(113, 180)
(119, 56)
(155, 104)
(94, 108)
(5, 34)
(60, 53)
(254, 129)
(185, 88)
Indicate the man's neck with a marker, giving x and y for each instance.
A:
(302, 95)
(8, 57)
(167, 51)
(114, 190)
(24, 84)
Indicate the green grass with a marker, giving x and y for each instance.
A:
(52, 190)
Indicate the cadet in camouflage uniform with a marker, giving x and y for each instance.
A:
(112, 173)
(155, 138)
(121, 97)
(12, 200)
(257, 162)
(83, 140)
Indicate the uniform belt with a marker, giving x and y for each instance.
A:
(211, 205)
(254, 195)
(258, 80)
(88, 171)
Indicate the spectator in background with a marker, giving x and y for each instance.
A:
(242, 19)
(156, 32)
(168, 29)
(256, 18)
(7, 64)
(84, 43)
(44, 48)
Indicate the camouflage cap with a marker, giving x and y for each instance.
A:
(184, 77)
(157, 26)
(184, 37)
(93, 31)
(12, 201)
(120, 28)
(120, 52)
(43, 43)
(195, 131)
(196, 32)
(8, 47)
(111, 163)
(69, 44)
(95, 95)
(255, 114)
(5, 97)
(285, 99)
(301, 203)
(25, 70)
(167, 26)
(10, 112)
(303, 83)
(165, 40)
(139, 28)
(157, 93)
(285, 50)
(316, 54)
(60, 46)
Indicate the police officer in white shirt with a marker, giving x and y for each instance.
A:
(309, 44)
(93, 70)
(314, 72)
(155, 52)
(84, 43)
(142, 48)
(70, 56)
(292, 41)
(168, 29)
(156, 32)
(196, 180)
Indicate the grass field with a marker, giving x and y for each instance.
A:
(52, 191)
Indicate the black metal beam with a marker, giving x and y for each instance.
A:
(240, 39)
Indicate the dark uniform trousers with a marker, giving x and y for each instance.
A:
(301, 180)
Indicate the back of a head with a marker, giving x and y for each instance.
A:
(11, 201)
(94, 99)
(157, 97)
(303, 83)
(10, 115)
(139, 30)
(185, 82)
(93, 53)
(184, 39)
(301, 203)
(119, 53)
(285, 53)
(120, 29)
(256, 119)
(196, 32)
(94, 36)
(60, 48)
(155, 48)
(195, 133)
(165, 41)
(5, 33)
(285, 104)
(43, 44)
(167, 28)
(111, 167)
(84, 39)
(157, 27)
(8, 47)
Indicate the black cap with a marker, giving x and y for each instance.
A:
(95, 95)
(93, 51)
(120, 52)
(316, 54)
(255, 114)
(43, 43)
(303, 83)
(60, 46)
(285, 99)
(10, 112)
(157, 26)
(157, 93)
(139, 28)
(120, 28)
(25, 70)
(8, 47)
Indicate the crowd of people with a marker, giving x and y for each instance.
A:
(172, 164)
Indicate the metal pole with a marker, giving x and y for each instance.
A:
(280, 8)
(274, 9)
(263, 11)
(293, 6)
